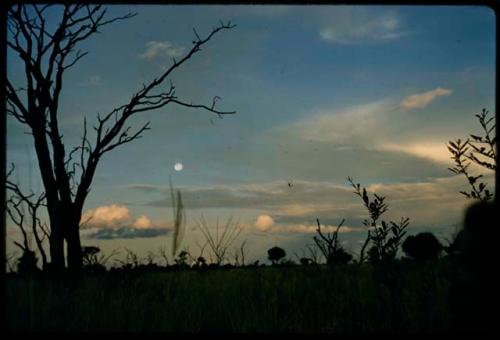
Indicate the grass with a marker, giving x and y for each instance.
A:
(347, 299)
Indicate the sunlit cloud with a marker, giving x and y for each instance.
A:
(161, 49)
(264, 222)
(116, 221)
(421, 100)
(435, 151)
(108, 216)
(143, 222)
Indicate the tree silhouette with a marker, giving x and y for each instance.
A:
(479, 150)
(329, 246)
(385, 237)
(47, 52)
(23, 210)
(422, 247)
(275, 254)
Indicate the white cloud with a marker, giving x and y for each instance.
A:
(357, 25)
(264, 222)
(116, 216)
(432, 150)
(108, 216)
(161, 49)
(421, 100)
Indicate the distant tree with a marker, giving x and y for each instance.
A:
(478, 150)
(46, 39)
(182, 259)
(275, 254)
(422, 247)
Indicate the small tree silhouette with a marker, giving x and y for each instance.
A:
(479, 150)
(275, 254)
(386, 237)
(329, 246)
(422, 247)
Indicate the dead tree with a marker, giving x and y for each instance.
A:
(47, 52)
(27, 221)
(329, 246)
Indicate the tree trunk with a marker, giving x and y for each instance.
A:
(75, 259)
(56, 245)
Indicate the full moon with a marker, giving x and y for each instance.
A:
(178, 166)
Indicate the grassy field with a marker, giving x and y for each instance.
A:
(348, 299)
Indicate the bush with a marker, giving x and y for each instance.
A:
(27, 263)
(422, 247)
(275, 254)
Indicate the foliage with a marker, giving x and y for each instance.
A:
(479, 150)
(385, 237)
(422, 247)
(275, 254)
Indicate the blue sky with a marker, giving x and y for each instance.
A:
(321, 93)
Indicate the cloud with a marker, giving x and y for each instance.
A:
(143, 222)
(421, 100)
(264, 222)
(302, 228)
(115, 221)
(161, 49)
(91, 81)
(108, 216)
(126, 233)
(357, 25)
(431, 202)
(345, 126)
(435, 151)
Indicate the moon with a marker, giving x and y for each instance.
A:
(178, 166)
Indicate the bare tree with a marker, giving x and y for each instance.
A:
(23, 211)
(329, 246)
(47, 52)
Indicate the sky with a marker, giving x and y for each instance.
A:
(320, 93)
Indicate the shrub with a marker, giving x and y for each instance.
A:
(275, 254)
(422, 247)
(27, 263)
